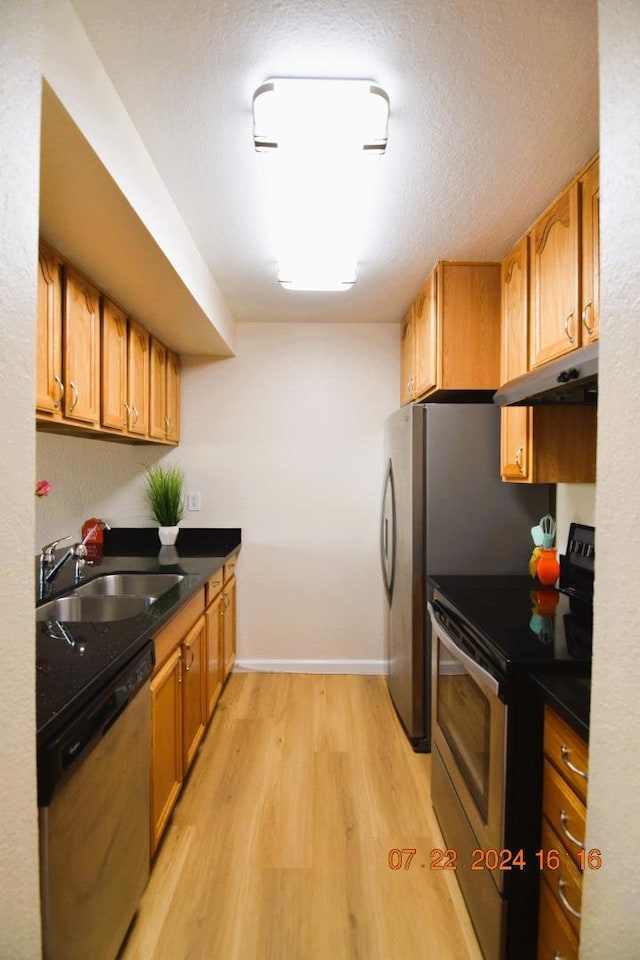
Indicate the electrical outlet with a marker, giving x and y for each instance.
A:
(193, 501)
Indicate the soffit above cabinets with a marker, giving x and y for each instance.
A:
(86, 217)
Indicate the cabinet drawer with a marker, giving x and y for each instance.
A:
(556, 938)
(565, 882)
(214, 585)
(230, 568)
(564, 810)
(175, 631)
(567, 752)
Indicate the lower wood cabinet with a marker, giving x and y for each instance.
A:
(166, 743)
(193, 650)
(562, 837)
(214, 670)
(178, 708)
(228, 613)
(194, 656)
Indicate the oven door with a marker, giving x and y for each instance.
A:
(470, 723)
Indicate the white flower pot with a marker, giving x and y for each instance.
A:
(168, 535)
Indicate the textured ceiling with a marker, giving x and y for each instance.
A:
(494, 106)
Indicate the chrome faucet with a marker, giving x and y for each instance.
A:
(50, 568)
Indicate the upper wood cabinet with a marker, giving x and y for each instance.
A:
(125, 373)
(407, 358)
(93, 363)
(164, 393)
(425, 323)
(114, 367)
(537, 444)
(515, 312)
(451, 335)
(81, 349)
(564, 252)
(138, 379)
(49, 388)
(589, 185)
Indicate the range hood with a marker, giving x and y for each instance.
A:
(569, 380)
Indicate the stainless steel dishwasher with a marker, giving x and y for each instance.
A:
(93, 786)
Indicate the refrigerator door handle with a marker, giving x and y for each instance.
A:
(388, 541)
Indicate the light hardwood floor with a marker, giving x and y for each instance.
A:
(278, 848)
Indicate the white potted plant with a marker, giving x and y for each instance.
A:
(165, 496)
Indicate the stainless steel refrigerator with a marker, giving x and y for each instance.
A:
(445, 510)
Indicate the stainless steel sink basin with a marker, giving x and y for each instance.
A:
(93, 608)
(129, 585)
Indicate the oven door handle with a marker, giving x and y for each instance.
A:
(481, 676)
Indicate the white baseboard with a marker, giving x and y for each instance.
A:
(311, 666)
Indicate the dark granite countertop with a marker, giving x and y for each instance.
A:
(67, 678)
(569, 696)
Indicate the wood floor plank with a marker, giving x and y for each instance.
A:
(278, 848)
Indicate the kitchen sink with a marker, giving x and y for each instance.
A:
(127, 585)
(93, 608)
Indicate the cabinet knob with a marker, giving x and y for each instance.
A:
(58, 382)
(565, 903)
(569, 335)
(76, 396)
(518, 459)
(564, 820)
(564, 754)
(588, 306)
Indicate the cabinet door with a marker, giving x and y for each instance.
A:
(425, 328)
(214, 653)
(468, 325)
(81, 331)
(515, 312)
(515, 425)
(555, 318)
(194, 710)
(166, 743)
(114, 367)
(407, 376)
(229, 625)
(590, 235)
(173, 398)
(138, 379)
(49, 387)
(157, 389)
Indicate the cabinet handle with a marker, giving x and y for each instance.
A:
(127, 419)
(76, 396)
(135, 414)
(187, 666)
(563, 900)
(564, 819)
(58, 382)
(180, 661)
(570, 338)
(518, 459)
(564, 753)
(227, 601)
(588, 304)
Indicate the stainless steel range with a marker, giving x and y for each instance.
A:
(488, 634)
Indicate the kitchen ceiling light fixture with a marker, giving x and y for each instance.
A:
(317, 141)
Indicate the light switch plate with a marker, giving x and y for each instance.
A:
(193, 501)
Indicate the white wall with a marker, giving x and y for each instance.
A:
(575, 503)
(611, 926)
(90, 478)
(285, 441)
(20, 37)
